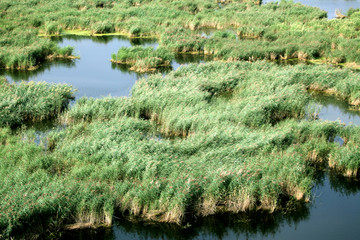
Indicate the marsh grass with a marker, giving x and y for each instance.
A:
(31, 101)
(234, 137)
(143, 59)
(285, 30)
(244, 145)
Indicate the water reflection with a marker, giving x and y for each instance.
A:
(93, 74)
(333, 214)
(344, 185)
(21, 75)
(185, 59)
(223, 226)
(333, 109)
(107, 39)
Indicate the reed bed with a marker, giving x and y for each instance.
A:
(143, 59)
(285, 30)
(208, 138)
(31, 101)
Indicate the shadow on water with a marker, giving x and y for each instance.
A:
(221, 226)
(107, 39)
(331, 215)
(21, 75)
(185, 59)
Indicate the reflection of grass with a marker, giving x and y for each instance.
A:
(20, 75)
(90, 33)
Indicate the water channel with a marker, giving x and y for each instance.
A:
(334, 212)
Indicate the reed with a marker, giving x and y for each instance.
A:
(203, 139)
(143, 59)
(285, 30)
(31, 102)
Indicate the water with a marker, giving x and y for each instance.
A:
(328, 5)
(333, 214)
(93, 75)
(333, 109)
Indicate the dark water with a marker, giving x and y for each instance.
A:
(328, 5)
(334, 212)
(93, 75)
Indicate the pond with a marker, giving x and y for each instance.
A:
(93, 75)
(333, 213)
(333, 109)
(328, 5)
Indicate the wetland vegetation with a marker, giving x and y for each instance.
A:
(219, 137)
(285, 30)
(239, 149)
(143, 59)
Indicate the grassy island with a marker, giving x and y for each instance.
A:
(234, 137)
(143, 59)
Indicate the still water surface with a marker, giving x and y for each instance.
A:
(334, 212)
(328, 5)
(93, 75)
(333, 109)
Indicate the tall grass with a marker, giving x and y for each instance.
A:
(284, 30)
(31, 101)
(23, 49)
(233, 138)
(143, 59)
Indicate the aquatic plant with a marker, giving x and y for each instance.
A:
(143, 59)
(285, 30)
(31, 101)
(23, 49)
(203, 139)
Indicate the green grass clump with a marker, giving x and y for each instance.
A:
(23, 49)
(35, 194)
(31, 101)
(206, 138)
(143, 59)
(285, 29)
(346, 158)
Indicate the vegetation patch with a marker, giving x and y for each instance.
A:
(143, 59)
(285, 29)
(31, 101)
(244, 145)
